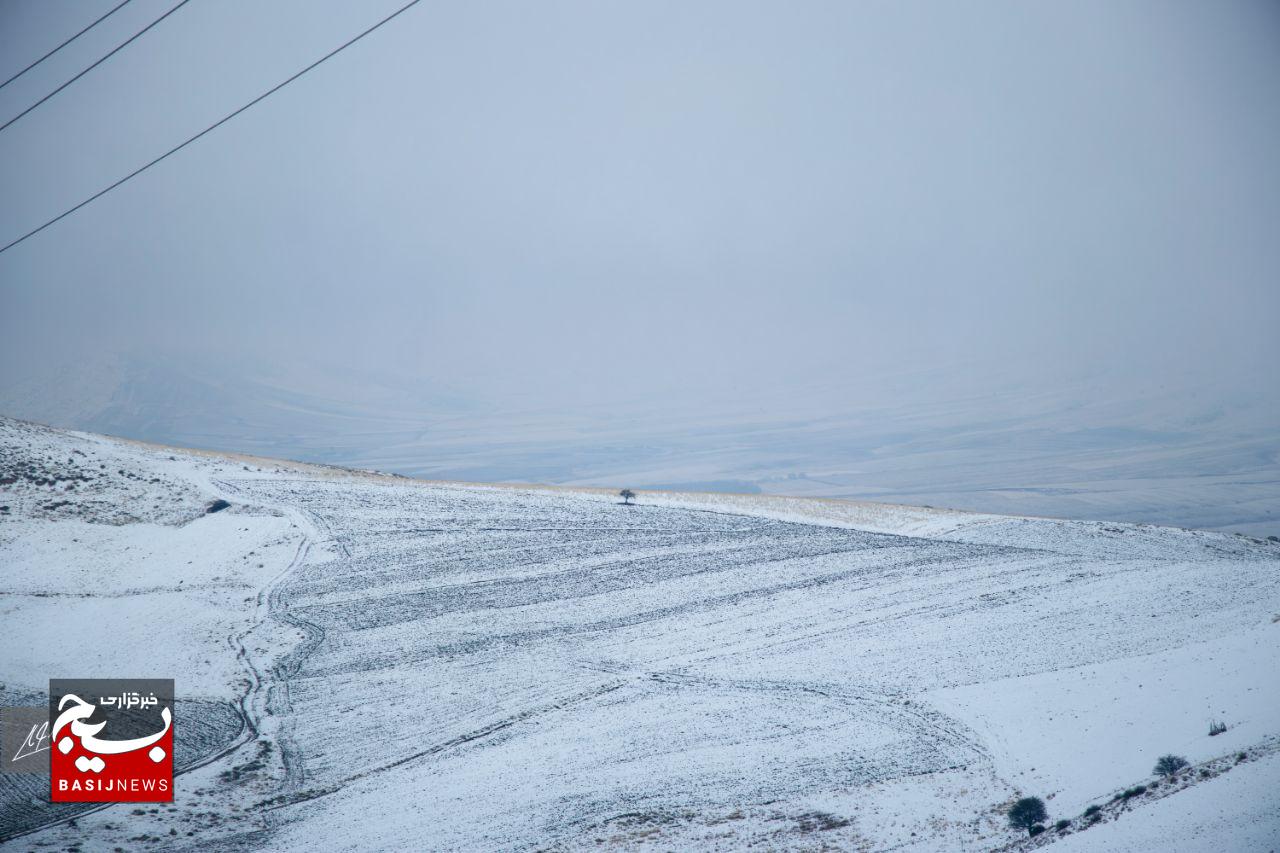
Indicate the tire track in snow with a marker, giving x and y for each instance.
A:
(268, 692)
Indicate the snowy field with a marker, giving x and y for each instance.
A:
(370, 662)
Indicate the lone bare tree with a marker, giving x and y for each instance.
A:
(626, 495)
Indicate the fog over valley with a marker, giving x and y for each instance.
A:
(1018, 262)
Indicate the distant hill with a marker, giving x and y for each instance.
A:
(1206, 456)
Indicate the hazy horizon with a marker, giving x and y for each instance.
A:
(1022, 257)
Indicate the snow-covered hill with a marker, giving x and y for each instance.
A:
(1203, 454)
(370, 662)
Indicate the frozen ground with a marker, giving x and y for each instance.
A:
(445, 666)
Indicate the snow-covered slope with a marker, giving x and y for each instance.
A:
(451, 666)
(1203, 452)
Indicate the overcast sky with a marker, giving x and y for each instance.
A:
(591, 200)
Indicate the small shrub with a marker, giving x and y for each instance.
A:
(1130, 793)
(1027, 813)
(1061, 825)
(1169, 765)
(1216, 728)
(1092, 810)
(820, 822)
(1035, 829)
(1241, 756)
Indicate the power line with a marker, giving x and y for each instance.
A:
(215, 125)
(108, 14)
(113, 52)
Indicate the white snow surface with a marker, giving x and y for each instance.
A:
(458, 667)
(1235, 813)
